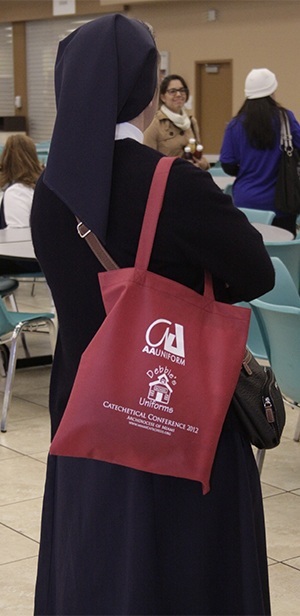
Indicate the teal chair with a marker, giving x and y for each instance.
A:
(280, 327)
(262, 216)
(217, 171)
(42, 150)
(285, 293)
(228, 190)
(289, 253)
(279, 324)
(12, 325)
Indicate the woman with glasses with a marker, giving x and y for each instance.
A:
(171, 128)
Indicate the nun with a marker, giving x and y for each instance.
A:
(114, 540)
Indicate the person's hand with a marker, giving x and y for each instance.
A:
(202, 163)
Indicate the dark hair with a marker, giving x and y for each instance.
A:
(165, 84)
(261, 120)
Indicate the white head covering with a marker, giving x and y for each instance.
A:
(260, 82)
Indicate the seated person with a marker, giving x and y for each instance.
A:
(19, 172)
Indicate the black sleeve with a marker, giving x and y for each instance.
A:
(230, 168)
(211, 233)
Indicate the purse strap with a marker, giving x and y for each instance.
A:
(286, 142)
(95, 245)
(147, 235)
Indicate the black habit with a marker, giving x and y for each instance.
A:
(120, 541)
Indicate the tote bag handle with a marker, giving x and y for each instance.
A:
(149, 225)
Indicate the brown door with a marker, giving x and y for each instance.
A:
(213, 102)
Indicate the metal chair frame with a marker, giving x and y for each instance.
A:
(12, 325)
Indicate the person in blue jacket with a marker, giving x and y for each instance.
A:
(251, 146)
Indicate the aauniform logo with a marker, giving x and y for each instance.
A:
(171, 342)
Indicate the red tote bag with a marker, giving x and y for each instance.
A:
(154, 385)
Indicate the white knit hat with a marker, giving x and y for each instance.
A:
(260, 82)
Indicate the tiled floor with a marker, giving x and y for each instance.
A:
(23, 451)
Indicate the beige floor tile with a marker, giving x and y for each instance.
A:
(293, 562)
(30, 379)
(7, 454)
(17, 581)
(23, 410)
(269, 490)
(29, 435)
(282, 514)
(22, 479)
(285, 590)
(43, 456)
(281, 467)
(15, 546)
(23, 517)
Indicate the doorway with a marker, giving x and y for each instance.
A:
(213, 106)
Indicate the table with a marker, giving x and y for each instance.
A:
(17, 250)
(220, 177)
(16, 243)
(223, 181)
(15, 234)
(273, 234)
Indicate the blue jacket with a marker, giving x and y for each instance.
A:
(258, 169)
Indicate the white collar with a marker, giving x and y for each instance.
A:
(127, 130)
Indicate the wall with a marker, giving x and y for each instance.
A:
(253, 33)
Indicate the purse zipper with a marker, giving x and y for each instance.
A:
(266, 398)
(269, 409)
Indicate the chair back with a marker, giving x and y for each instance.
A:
(280, 326)
(262, 216)
(283, 293)
(289, 253)
(5, 323)
(228, 190)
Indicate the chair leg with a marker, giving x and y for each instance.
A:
(9, 380)
(52, 334)
(260, 456)
(12, 367)
(13, 302)
(33, 288)
(4, 354)
(14, 306)
(25, 346)
(297, 430)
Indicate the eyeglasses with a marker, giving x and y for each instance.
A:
(174, 91)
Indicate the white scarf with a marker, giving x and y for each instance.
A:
(181, 120)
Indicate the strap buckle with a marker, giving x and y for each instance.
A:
(83, 233)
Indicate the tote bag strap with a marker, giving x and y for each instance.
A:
(153, 208)
(152, 211)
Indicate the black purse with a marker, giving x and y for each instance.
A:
(258, 404)
(287, 191)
